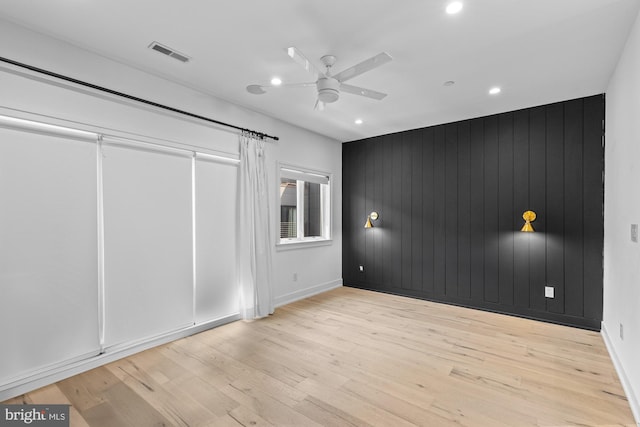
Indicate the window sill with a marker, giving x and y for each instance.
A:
(301, 244)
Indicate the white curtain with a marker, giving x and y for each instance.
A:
(254, 245)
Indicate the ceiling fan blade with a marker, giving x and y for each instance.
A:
(309, 84)
(297, 56)
(363, 67)
(259, 89)
(356, 90)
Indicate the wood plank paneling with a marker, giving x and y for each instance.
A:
(464, 211)
(416, 213)
(490, 202)
(451, 209)
(477, 211)
(394, 219)
(573, 208)
(358, 207)
(439, 196)
(451, 199)
(555, 205)
(593, 196)
(538, 202)
(428, 211)
(406, 212)
(388, 213)
(347, 244)
(521, 203)
(505, 208)
(378, 181)
(369, 165)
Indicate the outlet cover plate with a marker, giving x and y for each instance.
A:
(634, 233)
(549, 292)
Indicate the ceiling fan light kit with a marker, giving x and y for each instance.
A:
(328, 86)
(328, 89)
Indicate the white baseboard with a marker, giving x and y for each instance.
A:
(307, 292)
(634, 403)
(62, 371)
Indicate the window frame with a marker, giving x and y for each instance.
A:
(285, 170)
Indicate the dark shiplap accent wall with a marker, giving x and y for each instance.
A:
(451, 198)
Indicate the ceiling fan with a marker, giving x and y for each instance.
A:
(329, 85)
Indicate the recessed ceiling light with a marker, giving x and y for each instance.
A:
(276, 81)
(358, 121)
(454, 7)
(494, 91)
(449, 83)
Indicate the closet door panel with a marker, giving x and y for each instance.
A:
(216, 228)
(148, 243)
(48, 251)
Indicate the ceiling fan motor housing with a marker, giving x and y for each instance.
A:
(328, 89)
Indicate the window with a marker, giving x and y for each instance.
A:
(304, 205)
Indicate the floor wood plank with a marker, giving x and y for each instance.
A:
(351, 357)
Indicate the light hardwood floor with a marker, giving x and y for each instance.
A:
(357, 358)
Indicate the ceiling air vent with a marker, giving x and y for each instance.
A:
(169, 52)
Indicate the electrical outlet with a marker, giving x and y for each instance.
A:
(634, 233)
(549, 292)
(621, 332)
(362, 268)
(295, 277)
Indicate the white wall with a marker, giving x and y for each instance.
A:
(622, 208)
(29, 96)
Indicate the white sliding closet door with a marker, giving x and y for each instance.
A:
(148, 241)
(216, 225)
(48, 250)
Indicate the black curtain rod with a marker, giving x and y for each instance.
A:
(134, 98)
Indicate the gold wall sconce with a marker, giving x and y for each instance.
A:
(371, 216)
(529, 217)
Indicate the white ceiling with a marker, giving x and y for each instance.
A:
(537, 51)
